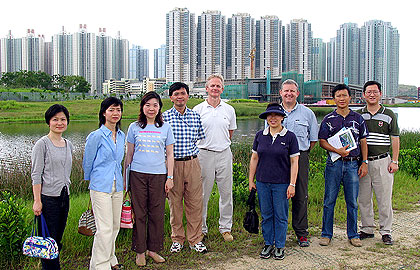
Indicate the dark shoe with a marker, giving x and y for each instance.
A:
(364, 235)
(266, 252)
(387, 239)
(303, 241)
(278, 254)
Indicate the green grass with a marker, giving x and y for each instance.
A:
(77, 248)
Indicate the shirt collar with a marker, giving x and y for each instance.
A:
(294, 108)
(381, 109)
(351, 112)
(281, 133)
(220, 104)
(176, 112)
(107, 131)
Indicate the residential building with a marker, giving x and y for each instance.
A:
(298, 48)
(379, 55)
(84, 56)
(181, 51)
(269, 46)
(120, 57)
(348, 54)
(33, 53)
(103, 58)
(10, 53)
(211, 38)
(240, 47)
(331, 63)
(139, 63)
(319, 60)
(48, 57)
(62, 44)
(159, 67)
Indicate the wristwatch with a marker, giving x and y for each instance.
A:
(170, 177)
(394, 161)
(366, 161)
(293, 185)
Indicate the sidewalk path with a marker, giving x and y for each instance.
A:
(404, 254)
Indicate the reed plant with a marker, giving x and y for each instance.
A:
(77, 248)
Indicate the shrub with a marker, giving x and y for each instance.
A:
(13, 229)
(240, 185)
(410, 160)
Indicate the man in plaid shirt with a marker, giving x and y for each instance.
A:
(187, 129)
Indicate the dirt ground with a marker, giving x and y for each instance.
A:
(404, 254)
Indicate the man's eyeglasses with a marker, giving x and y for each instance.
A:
(368, 93)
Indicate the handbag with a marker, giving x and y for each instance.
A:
(251, 219)
(44, 246)
(87, 224)
(126, 221)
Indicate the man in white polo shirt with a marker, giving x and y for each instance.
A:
(219, 122)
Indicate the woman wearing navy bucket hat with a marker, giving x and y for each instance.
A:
(274, 164)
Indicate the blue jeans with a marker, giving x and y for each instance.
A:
(338, 172)
(274, 207)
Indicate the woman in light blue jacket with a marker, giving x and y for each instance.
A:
(104, 152)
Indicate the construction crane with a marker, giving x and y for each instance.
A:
(252, 56)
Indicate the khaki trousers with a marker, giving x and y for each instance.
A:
(107, 210)
(381, 181)
(188, 192)
(217, 166)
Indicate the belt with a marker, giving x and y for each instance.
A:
(210, 150)
(349, 158)
(186, 158)
(371, 158)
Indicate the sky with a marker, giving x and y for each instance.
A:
(142, 22)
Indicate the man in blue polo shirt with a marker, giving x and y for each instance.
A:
(302, 122)
(346, 169)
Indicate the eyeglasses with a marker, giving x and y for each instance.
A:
(368, 93)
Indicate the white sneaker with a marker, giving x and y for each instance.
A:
(176, 247)
(199, 247)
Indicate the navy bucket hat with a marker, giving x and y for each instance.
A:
(273, 108)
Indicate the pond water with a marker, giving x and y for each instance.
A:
(17, 139)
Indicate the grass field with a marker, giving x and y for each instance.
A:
(77, 248)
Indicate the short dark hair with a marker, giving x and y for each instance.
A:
(106, 103)
(176, 86)
(53, 110)
(340, 86)
(142, 119)
(369, 83)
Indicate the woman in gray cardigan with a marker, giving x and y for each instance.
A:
(51, 168)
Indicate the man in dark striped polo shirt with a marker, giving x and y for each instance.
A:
(383, 133)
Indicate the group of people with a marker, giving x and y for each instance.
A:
(280, 164)
(180, 153)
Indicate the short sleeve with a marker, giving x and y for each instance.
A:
(294, 145)
(394, 129)
(170, 135)
(255, 144)
(313, 129)
(363, 131)
(232, 125)
(323, 131)
(130, 133)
